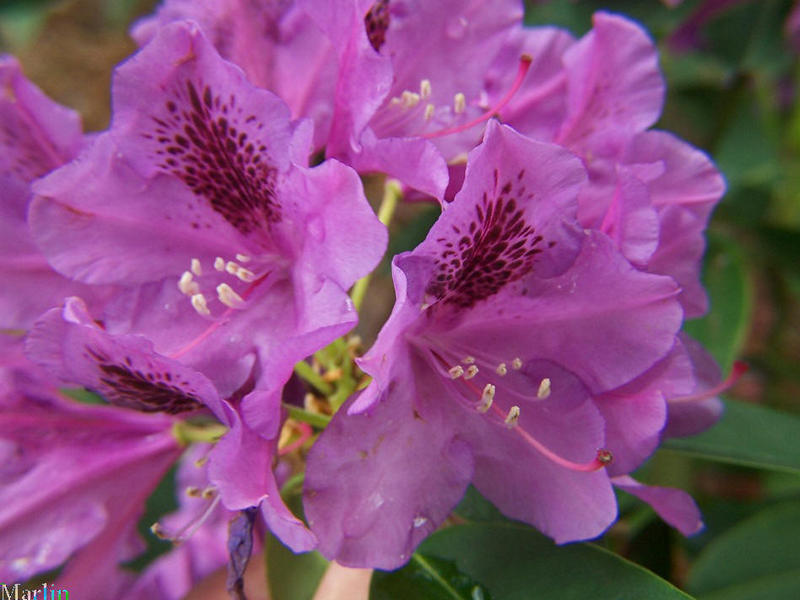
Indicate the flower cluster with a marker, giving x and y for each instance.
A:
(182, 262)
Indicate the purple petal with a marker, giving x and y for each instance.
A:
(614, 83)
(378, 483)
(675, 506)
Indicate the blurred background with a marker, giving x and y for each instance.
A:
(732, 69)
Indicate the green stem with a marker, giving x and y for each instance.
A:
(187, 434)
(305, 371)
(295, 481)
(392, 192)
(306, 416)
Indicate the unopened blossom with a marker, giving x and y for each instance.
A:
(235, 254)
(651, 192)
(511, 323)
(75, 479)
(37, 135)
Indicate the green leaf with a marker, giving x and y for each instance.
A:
(514, 562)
(750, 435)
(289, 575)
(756, 559)
(428, 578)
(724, 330)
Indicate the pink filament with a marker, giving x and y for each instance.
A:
(738, 369)
(305, 433)
(524, 66)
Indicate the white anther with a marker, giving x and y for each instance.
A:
(425, 88)
(429, 110)
(187, 285)
(487, 397)
(516, 364)
(456, 372)
(410, 99)
(512, 418)
(193, 491)
(501, 369)
(228, 297)
(245, 275)
(231, 267)
(468, 360)
(243, 258)
(395, 101)
(197, 268)
(200, 305)
(459, 103)
(544, 389)
(472, 370)
(208, 493)
(158, 531)
(219, 263)
(420, 521)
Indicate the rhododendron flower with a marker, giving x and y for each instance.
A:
(410, 70)
(237, 255)
(36, 136)
(126, 371)
(510, 324)
(75, 479)
(649, 191)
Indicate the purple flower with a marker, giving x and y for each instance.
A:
(511, 328)
(236, 255)
(126, 371)
(649, 191)
(75, 478)
(407, 71)
(200, 526)
(276, 44)
(36, 136)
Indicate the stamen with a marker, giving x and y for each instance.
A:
(604, 456)
(516, 364)
(524, 66)
(196, 267)
(243, 258)
(228, 297)
(200, 305)
(487, 397)
(187, 285)
(472, 370)
(200, 462)
(410, 99)
(512, 418)
(429, 110)
(231, 267)
(501, 369)
(219, 263)
(193, 491)
(459, 103)
(208, 493)
(456, 372)
(245, 275)
(158, 531)
(738, 369)
(468, 360)
(544, 389)
(425, 88)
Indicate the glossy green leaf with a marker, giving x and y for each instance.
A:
(428, 578)
(749, 435)
(514, 562)
(723, 331)
(756, 559)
